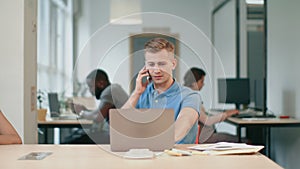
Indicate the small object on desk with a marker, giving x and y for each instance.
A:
(284, 117)
(35, 156)
(41, 114)
(139, 154)
(199, 153)
(182, 152)
(171, 153)
(176, 152)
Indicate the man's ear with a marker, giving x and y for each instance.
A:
(174, 62)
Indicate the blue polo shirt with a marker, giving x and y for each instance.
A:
(176, 98)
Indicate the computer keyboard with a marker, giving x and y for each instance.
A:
(250, 113)
(245, 114)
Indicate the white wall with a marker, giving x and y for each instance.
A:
(224, 64)
(11, 47)
(109, 46)
(30, 71)
(17, 73)
(283, 79)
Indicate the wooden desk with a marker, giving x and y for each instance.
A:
(265, 123)
(92, 156)
(45, 125)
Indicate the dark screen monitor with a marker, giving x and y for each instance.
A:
(259, 95)
(54, 105)
(235, 91)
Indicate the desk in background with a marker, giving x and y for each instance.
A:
(92, 156)
(265, 123)
(45, 125)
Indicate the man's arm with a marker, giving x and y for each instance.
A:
(185, 121)
(103, 111)
(132, 101)
(99, 114)
(210, 120)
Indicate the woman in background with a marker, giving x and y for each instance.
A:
(194, 79)
(8, 135)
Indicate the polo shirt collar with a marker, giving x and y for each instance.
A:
(169, 92)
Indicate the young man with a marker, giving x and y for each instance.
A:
(194, 79)
(110, 96)
(164, 92)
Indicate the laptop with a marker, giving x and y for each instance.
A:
(151, 129)
(54, 107)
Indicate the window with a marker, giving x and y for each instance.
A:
(55, 46)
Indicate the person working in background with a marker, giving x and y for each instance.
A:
(110, 96)
(164, 92)
(8, 135)
(194, 79)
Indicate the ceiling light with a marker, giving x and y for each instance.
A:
(125, 12)
(257, 2)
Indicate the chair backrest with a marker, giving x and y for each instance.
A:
(198, 133)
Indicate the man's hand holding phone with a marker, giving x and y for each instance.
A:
(142, 80)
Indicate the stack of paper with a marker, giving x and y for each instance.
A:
(223, 148)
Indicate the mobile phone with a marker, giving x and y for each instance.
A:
(148, 78)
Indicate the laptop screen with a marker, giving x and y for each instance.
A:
(141, 128)
(54, 105)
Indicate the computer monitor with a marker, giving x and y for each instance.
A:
(260, 98)
(233, 90)
(260, 95)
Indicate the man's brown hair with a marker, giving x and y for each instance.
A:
(157, 44)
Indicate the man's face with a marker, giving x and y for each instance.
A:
(160, 65)
(95, 90)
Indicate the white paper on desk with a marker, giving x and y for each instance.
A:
(225, 146)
